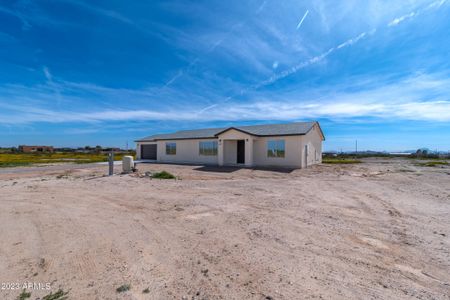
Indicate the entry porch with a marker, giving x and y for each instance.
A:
(235, 148)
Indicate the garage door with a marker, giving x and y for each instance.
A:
(148, 151)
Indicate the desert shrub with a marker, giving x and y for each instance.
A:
(24, 295)
(123, 288)
(59, 295)
(163, 175)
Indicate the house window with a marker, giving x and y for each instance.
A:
(171, 148)
(275, 148)
(208, 148)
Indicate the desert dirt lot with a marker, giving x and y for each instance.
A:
(376, 230)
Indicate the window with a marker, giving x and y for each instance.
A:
(275, 148)
(171, 148)
(208, 148)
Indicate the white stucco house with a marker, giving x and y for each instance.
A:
(293, 145)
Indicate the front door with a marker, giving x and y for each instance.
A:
(240, 152)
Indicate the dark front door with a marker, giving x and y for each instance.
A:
(240, 152)
(148, 151)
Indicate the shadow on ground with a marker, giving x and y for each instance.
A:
(234, 169)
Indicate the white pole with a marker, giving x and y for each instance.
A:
(111, 162)
(306, 156)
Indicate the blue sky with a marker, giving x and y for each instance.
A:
(75, 73)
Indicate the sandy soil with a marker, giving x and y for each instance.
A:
(377, 230)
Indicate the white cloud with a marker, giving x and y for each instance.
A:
(397, 21)
(251, 46)
(352, 41)
(406, 99)
(47, 74)
(436, 4)
(437, 111)
(415, 14)
(318, 58)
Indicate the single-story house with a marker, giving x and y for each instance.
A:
(31, 149)
(294, 145)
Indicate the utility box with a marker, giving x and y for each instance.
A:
(127, 164)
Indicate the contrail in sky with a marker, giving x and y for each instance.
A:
(294, 69)
(303, 19)
(181, 72)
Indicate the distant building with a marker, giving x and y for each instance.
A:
(32, 149)
(111, 149)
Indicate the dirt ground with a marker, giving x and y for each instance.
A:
(376, 230)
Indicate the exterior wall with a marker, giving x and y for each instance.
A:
(249, 152)
(313, 140)
(229, 152)
(292, 157)
(187, 152)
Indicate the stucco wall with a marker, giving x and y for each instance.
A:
(187, 152)
(292, 157)
(314, 141)
(229, 152)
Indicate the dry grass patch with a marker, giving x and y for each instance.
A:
(24, 159)
(341, 161)
(433, 163)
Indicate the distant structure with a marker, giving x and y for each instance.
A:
(32, 149)
(422, 152)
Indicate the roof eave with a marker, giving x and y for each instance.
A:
(237, 129)
(320, 129)
(173, 139)
(141, 141)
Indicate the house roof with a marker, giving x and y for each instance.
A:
(298, 128)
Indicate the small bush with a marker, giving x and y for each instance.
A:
(163, 175)
(146, 291)
(59, 295)
(123, 288)
(24, 295)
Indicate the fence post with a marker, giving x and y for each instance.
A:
(306, 156)
(111, 162)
